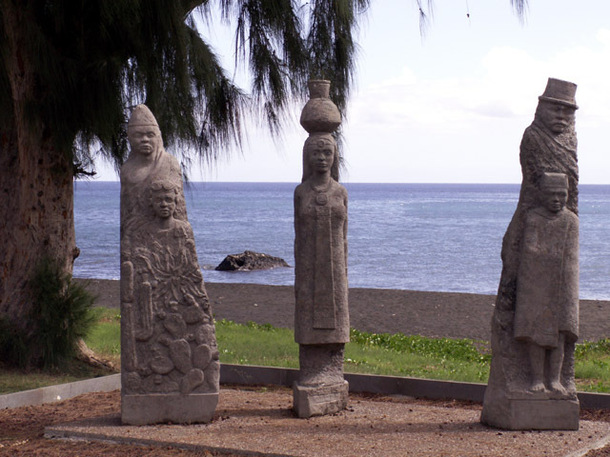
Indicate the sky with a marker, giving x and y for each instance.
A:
(451, 106)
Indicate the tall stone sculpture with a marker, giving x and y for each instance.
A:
(535, 321)
(320, 248)
(169, 357)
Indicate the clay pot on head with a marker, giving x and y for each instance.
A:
(320, 114)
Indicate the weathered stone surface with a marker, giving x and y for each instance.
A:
(250, 261)
(165, 312)
(535, 321)
(532, 414)
(320, 400)
(172, 407)
(320, 251)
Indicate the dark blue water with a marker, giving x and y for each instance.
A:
(435, 237)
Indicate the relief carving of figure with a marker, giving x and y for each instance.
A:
(170, 367)
(535, 321)
(546, 309)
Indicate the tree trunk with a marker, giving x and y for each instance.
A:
(36, 181)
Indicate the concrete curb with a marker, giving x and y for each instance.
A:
(60, 392)
(387, 385)
(258, 375)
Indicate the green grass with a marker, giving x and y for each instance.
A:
(16, 380)
(417, 356)
(255, 344)
(105, 336)
(397, 355)
(384, 354)
(592, 366)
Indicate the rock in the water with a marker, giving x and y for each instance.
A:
(250, 260)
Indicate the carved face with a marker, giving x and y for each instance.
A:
(555, 116)
(144, 139)
(321, 155)
(554, 199)
(164, 203)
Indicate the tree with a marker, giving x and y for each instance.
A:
(70, 69)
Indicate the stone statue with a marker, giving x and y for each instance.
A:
(320, 221)
(546, 304)
(535, 321)
(170, 368)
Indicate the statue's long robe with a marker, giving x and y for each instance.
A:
(321, 290)
(547, 278)
(540, 152)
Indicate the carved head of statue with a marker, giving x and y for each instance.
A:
(163, 196)
(553, 191)
(143, 132)
(320, 155)
(557, 106)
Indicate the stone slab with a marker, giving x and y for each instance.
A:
(320, 400)
(178, 409)
(532, 414)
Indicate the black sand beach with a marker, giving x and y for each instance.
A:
(433, 314)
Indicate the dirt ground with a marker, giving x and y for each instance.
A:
(22, 429)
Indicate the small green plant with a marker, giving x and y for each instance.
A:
(60, 315)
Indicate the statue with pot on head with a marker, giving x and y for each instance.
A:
(320, 250)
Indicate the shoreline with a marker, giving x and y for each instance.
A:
(431, 314)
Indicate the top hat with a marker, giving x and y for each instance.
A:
(558, 91)
(142, 116)
(553, 181)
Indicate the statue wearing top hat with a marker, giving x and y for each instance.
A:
(535, 320)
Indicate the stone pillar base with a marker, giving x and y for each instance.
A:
(175, 408)
(531, 414)
(319, 400)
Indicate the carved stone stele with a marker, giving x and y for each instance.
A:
(320, 221)
(535, 320)
(169, 357)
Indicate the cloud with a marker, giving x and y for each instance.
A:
(507, 86)
(467, 127)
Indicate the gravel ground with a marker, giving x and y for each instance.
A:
(260, 419)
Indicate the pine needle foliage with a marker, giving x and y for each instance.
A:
(94, 59)
(331, 44)
(520, 7)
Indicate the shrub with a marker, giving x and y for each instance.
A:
(60, 316)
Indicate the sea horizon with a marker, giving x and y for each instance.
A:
(437, 237)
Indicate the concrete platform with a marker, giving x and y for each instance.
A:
(261, 422)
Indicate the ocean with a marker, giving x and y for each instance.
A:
(429, 237)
